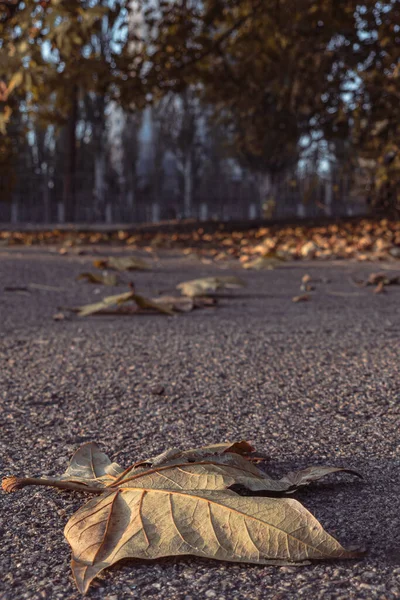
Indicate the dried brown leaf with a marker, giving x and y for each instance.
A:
(380, 288)
(99, 278)
(262, 262)
(109, 302)
(301, 298)
(209, 285)
(182, 502)
(122, 263)
(59, 316)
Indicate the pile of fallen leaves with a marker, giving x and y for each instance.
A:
(364, 239)
(211, 502)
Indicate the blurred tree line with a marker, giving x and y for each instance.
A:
(218, 88)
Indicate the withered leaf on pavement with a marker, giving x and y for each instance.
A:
(184, 502)
(301, 298)
(111, 302)
(209, 285)
(376, 279)
(383, 278)
(184, 303)
(268, 261)
(100, 278)
(122, 263)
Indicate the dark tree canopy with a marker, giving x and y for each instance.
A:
(276, 72)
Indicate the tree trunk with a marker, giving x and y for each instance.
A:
(69, 191)
(187, 186)
(100, 179)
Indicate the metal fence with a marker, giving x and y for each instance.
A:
(39, 201)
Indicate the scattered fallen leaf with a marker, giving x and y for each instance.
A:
(380, 288)
(103, 278)
(178, 303)
(185, 503)
(59, 316)
(306, 284)
(309, 250)
(383, 278)
(268, 261)
(209, 285)
(112, 301)
(379, 280)
(301, 298)
(184, 303)
(122, 263)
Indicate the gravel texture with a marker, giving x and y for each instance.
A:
(309, 383)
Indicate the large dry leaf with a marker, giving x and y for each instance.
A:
(183, 502)
(122, 263)
(150, 523)
(209, 285)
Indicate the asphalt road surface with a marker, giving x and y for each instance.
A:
(315, 382)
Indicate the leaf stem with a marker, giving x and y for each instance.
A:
(12, 484)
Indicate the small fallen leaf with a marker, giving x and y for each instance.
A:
(182, 502)
(383, 278)
(380, 288)
(103, 278)
(307, 287)
(109, 302)
(147, 303)
(184, 303)
(122, 263)
(380, 280)
(178, 303)
(58, 316)
(262, 262)
(309, 250)
(302, 298)
(209, 285)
